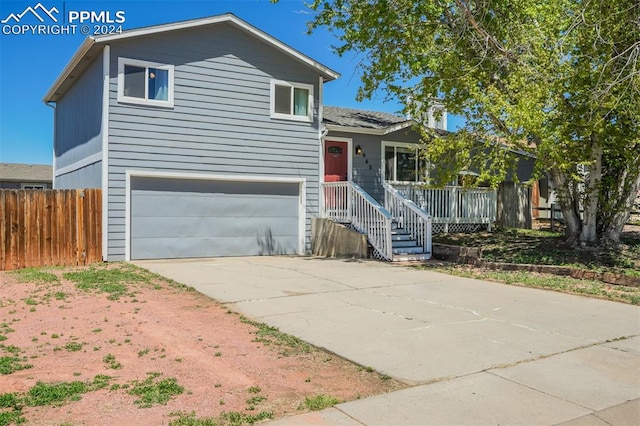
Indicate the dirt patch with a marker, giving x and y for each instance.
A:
(157, 330)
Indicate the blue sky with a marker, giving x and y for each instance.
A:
(29, 64)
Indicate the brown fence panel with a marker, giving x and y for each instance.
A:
(50, 227)
(514, 206)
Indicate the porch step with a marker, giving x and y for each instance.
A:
(404, 243)
(411, 257)
(403, 246)
(395, 236)
(407, 250)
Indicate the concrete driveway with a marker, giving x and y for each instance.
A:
(474, 352)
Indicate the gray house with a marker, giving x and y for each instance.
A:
(25, 176)
(204, 135)
(209, 138)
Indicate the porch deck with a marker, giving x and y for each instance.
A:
(453, 208)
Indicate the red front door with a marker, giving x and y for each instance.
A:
(335, 161)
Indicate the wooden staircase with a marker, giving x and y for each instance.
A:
(398, 232)
(404, 247)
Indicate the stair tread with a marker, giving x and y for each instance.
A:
(405, 243)
(407, 250)
(411, 257)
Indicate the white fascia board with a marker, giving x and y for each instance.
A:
(91, 159)
(212, 176)
(106, 78)
(75, 60)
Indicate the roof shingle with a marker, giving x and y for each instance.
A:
(349, 117)
(14, 172)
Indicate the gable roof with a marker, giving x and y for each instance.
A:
(349, 117)
(352, 120)
(92, 46)
(13, 172)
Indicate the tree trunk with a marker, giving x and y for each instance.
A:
(565, 191)
(589, 233)
(611, 234)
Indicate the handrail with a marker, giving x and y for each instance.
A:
(348, 202)
(453, 204)
(410, 217)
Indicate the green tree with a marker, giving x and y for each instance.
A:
(559, 79)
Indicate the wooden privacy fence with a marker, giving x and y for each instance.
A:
(50, 227)
(514, 206)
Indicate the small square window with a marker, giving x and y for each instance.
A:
(146, 83)
(291, 101)
(33, 186)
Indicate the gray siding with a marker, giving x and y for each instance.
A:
(220, 123)
(18, 185)
(85, 177)
(368, 169)
(78, 124)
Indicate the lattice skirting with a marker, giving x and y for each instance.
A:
(441, 228)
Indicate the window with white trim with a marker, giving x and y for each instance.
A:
(145, 83)
(33, 186)
(291, 101)
(402, 163)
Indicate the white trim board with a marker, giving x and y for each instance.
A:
(386, 143)
(106, 64)
(302, 191)
(293, 85)
(87, 161)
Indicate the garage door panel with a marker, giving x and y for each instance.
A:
(211, 247)
(189, 205)
(178, 218)
(214, 227)
(214, 186)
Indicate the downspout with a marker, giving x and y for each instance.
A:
(322, 132)
(52, 105)
(106, 63)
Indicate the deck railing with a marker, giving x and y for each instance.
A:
(409, 216)
(453, 204)
(346, 202)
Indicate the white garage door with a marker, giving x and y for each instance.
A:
(180, 218)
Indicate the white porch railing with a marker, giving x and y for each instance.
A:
(409, 216)
(453, 204)
(346, 202)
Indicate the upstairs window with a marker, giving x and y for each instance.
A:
(145, 83)
(291, 101)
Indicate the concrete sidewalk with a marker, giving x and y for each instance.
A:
(474, 352)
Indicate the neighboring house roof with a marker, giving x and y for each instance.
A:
(11, 172)
(361, 121)
(92, 46)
